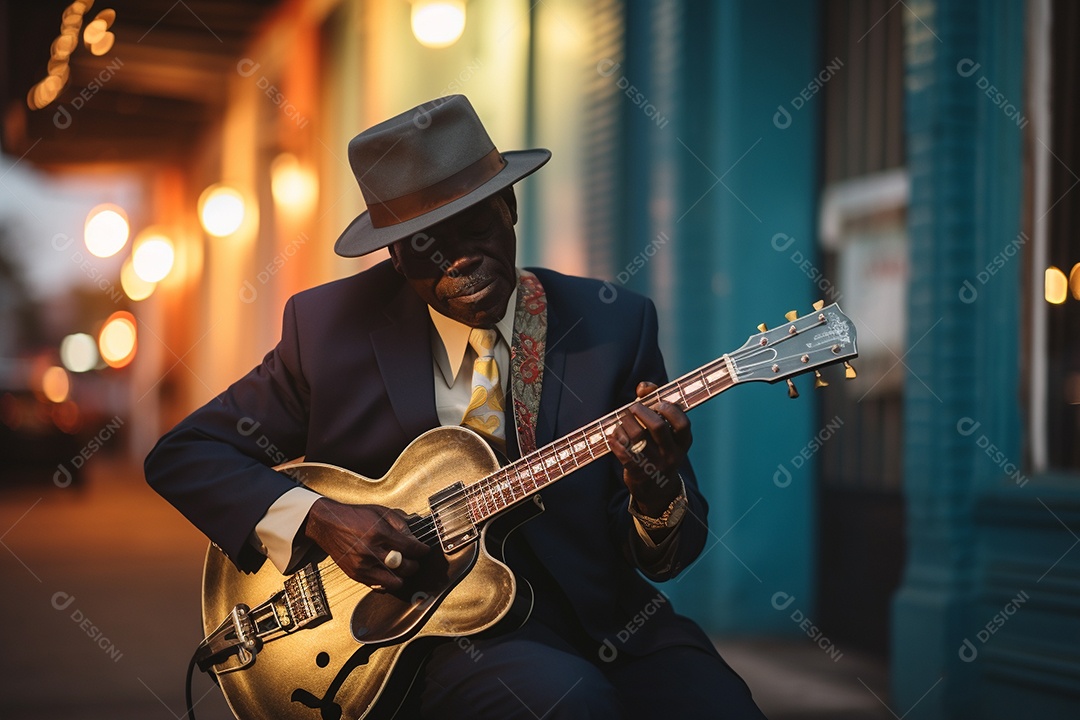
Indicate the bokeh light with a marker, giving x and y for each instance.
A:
(221, 210)
(134, 286)
(153, 256)
(439, 23)
(118, 339)
(1057, 286)
(294, 186)
(78, 352)
(106, 230)
(55, 385)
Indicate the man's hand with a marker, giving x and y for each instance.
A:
(359, 537)
(651, 472)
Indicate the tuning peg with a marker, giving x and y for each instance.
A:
(762, 328)
(849, 372)
(791, 391)
(791, 315)
(819, 304)
(819, 382)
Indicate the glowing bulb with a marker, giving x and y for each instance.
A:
(1057, 286)
(134, 286)
(221, 210)
(78, 352)
(1074, 281)
(294, 186)
(153, 257)
(438, 24)
(106, 230)
(55, 385)
(117, 340)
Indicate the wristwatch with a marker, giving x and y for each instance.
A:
(671, 516)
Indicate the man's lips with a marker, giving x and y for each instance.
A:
(473, 290)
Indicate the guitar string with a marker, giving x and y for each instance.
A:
(461, 509)
(462, 502)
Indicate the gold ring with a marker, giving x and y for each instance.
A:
(392, 560)
(638, 446)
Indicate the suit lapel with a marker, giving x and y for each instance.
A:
(403, 350)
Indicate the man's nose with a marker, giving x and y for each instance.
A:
(464, 265)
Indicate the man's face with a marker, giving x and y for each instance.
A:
(464, 266)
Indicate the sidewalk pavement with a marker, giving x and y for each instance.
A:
(101, 602)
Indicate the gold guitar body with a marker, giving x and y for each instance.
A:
(322, 671)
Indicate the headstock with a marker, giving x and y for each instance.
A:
(824, 337)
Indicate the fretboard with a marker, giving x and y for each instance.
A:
(524, 477)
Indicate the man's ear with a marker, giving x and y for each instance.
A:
(393, 249)
(508, 196)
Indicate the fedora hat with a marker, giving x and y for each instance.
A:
(423, 166)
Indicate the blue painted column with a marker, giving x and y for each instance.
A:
(726, 179)
(966, 190)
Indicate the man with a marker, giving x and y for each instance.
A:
(449, 332)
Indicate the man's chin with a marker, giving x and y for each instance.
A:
(481, 309)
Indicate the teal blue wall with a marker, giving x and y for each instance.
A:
(964, 160)
(723, 181)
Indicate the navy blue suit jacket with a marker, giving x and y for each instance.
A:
(351, 384)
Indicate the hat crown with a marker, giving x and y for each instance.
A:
(418, 148)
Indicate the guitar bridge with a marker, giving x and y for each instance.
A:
(453, 520)
(300, 603)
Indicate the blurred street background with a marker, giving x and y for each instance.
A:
(898, 541)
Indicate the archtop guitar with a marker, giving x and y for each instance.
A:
(317, 645)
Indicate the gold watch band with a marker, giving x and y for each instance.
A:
(671, 516)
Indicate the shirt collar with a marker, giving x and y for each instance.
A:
(451, 338)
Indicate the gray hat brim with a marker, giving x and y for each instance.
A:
(361, 237)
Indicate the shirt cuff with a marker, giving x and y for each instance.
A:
(276, 534)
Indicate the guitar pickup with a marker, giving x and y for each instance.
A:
(453, 520)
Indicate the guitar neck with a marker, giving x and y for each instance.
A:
(540, 468)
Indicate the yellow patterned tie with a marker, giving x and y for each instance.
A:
(485, 413)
